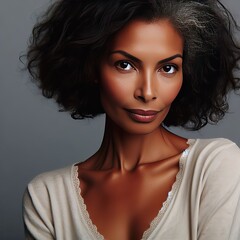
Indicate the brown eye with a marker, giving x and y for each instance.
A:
(124, 65)
(169, 69)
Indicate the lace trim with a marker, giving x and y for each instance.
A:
(171, 194)
(156, 220)
(86, 217)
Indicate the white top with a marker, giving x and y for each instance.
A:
(204, 203)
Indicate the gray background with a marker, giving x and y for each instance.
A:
(34, 136)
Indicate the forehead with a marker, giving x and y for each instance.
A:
(140, 35)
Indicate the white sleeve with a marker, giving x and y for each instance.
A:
(219, 210)
(37, 214)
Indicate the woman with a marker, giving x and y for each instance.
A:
(147, 64)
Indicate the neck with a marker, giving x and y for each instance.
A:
(126, 151)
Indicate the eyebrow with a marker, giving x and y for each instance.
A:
(127, 55)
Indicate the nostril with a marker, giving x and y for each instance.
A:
(146, 99)
(145, 94)
(141, 98)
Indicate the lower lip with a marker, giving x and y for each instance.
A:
(142, 118)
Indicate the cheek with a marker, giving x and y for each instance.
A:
(114, 89)
(170, 92)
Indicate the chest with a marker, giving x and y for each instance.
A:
(123, 207)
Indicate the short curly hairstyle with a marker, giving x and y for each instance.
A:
(70, 39)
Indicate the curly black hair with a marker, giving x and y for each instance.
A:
(70, 39)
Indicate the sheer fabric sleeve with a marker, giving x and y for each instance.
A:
(219, 210)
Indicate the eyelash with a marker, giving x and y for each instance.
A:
(171, 66)
(117, 65)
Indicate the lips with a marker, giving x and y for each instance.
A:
(142, 116)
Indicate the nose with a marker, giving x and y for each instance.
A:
(145, 90)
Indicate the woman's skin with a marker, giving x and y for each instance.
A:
(126, 182)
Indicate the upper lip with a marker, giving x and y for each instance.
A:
(143, 112)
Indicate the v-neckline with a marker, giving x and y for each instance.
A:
(147, 233)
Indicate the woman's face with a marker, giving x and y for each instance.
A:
(141, 74)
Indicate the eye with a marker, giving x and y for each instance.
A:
(124, 65)
(168, 69)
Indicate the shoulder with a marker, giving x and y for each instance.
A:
(209, 150)
(52, 183)
(215, 187)
(217, 160)
(213, 144)
(46, 188)
(45, 201)
(47, 178)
